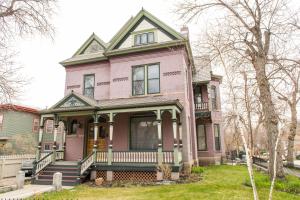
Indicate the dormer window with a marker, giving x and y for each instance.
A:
(144, 38)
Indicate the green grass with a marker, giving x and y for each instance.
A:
(219, 182)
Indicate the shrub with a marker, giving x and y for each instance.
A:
(166, 170)
(298, 157)
(198, 170)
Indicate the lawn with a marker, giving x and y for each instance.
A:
(219, 182)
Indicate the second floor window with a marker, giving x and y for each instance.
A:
(214, 97)
(89, 85)
(198, 94)
(144, 38)
(145, 79)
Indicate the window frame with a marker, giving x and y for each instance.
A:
(205, 137)
(130, 134)
(83, 92)
(147, 33)
(35, 127)
(214, 102)
(146, 79)
(219, 137)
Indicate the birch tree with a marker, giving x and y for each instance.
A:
(250, 30)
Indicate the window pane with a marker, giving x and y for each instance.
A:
(153, 86)
(138, 87)
(138, 73)
(150, 37)
(143, 133)
(89, 92)
(201, 137)
(153, 71)
(144, 38)
(217, 137)
(137, 39)
(89, 81)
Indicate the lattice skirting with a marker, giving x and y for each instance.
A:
(101, 174)
(134, 176)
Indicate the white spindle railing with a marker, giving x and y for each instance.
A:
(168, 157)
(134, 157)
(42, 163)
(86, 163)
(101, 156)
(59, 155)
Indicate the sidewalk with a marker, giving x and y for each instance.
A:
(28, 191)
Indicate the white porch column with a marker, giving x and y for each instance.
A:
(56, 124)
(95, 137)
(110, 146)
(174, 119)
(180, 136)
(64, 138)
(39, 147)
(159, 148)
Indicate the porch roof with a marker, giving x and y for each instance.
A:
(77, 102)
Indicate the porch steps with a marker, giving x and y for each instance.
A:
(70, 175)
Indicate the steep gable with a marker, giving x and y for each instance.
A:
(92, 45)
(143, 22)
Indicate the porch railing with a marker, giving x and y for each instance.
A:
(86, 163)
(134, 157)
(43, 162)
(59, 155)
(168, 157)
(101, 156)
(201, 106)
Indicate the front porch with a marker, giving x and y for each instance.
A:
(111, 137)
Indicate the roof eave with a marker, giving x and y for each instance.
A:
(66, 63)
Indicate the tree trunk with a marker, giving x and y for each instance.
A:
(271, 118)
(292, 134)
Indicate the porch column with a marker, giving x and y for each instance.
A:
(180, 136)
(174, 119)
(64, 138)
(55, 137)
(39, 147)
(110, 146)
(159, 147)
(95, 136)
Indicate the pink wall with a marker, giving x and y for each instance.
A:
(75, 143)
(114, 80)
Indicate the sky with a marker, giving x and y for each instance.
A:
(75, 21)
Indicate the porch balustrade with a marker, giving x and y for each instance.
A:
(201, 106)
(136, 157)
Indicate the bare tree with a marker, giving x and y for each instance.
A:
(251, 30)
(17, 19)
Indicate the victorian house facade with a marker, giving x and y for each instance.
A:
(129, 107)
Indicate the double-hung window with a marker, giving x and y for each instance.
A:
(145, 79)
(214, 97)
(217, 137)
(89, 85)
(201, 137)
(144, 38)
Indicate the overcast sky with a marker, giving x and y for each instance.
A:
(75, 21)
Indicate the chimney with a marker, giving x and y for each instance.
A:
(184, 31)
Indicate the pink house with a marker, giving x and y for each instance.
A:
(132, 105)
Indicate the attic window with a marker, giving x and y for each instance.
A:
(144, 38)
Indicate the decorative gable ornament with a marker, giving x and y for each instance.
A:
(72, 102)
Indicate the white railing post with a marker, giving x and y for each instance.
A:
(111, 131)
(159, 148)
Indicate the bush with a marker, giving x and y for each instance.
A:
(198, 170)
(298, 157)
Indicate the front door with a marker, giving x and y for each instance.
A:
(102, 137)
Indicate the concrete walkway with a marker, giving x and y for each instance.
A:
(28, 191)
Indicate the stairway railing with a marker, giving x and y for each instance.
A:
(86, 163)
(42, 163)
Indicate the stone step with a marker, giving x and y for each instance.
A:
(67, 173)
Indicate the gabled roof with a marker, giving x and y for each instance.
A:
(134, 21)
(73, 102)
(81, 57)
(88, 42)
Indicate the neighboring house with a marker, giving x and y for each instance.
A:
(129, 107)
(19, 126)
